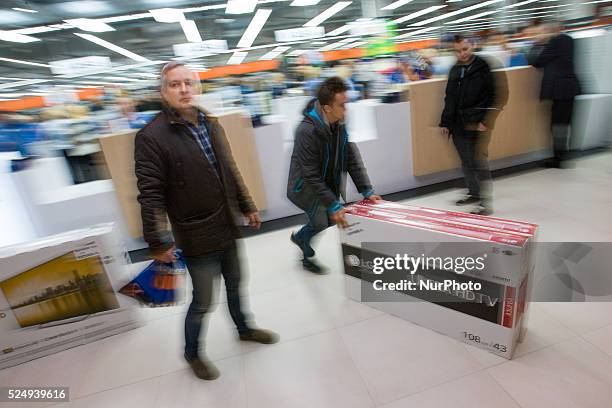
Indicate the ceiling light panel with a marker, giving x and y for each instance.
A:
(396, 4)
(112, 47)
(167, 15)
(191, 31)
(24, 62)
(240, 6)
(336, 8)
(255, 26)
(416, 14)
(237, 58)
(304, 3)
(16, 37)
(24, 10)
(274, 53)
(454, 13)
(89, 24)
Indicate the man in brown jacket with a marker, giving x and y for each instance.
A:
(186, 173)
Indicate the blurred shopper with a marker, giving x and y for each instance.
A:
(186, 172)
(554, 52)
(470, 97)
(322, 155)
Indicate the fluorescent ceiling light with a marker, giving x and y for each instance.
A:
(112, 47)
(120, 78)
(237, 58)
(240, 6)
(24, 10)
(338, 31)
(13, 79)
(396, 4)
(418, 14)
(23, 83)
(522, 3)
(41, 29)
(475, 16)
(328, 13)
(454, 13)
(167, 15)
(147, 75)
(191, 31)
(98, 83)
(274, 53)
(358, 44)
(24, 62)
(304, 3)
(255, 26)
(413, 33)
(297, 53)
(16, 37)
(90, 24)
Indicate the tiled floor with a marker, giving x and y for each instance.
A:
(338, 353)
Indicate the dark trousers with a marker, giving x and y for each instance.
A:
(472, 148)
(561, 118)
(204, 271)
(318, 221)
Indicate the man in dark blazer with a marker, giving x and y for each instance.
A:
(554, 53)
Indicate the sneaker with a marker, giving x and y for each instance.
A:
(467, 200)
(482, 211)
(312, 266)
(260, 336)
(306, 249)
(203, 369)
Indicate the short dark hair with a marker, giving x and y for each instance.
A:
(457, 38)
(329, 88)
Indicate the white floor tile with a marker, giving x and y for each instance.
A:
(601, 338)
(135, 356)
(397, 358)
(542, 331)
(580, 317)
(315, 371)
(570, 374)
(478, 390)
(138, 395)
(183, 389)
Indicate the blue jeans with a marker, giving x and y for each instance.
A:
(318, 220)
(204, 271)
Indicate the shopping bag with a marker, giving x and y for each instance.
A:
(159, 284)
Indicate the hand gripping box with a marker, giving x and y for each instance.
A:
(481, 303)
(59, 292)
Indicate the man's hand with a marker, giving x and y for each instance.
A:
(481, 127)
(254, 220)
(166, 256)
(338, 218)
(445, 131)
(374, 198)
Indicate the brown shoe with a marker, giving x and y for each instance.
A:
(204, 369)
(260, 336)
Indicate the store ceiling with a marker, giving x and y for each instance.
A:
(153, 40)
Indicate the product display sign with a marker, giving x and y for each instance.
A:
(299, 34)
(202, 48)
(80, 66)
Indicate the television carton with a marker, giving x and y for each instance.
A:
(59, 292)
(482, 303)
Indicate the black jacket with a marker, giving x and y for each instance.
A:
(557, 59)
(176, 181)
(470, 95)
(319, 163)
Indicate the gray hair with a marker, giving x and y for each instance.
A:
(167, 68)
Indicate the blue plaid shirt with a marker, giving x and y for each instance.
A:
(201, 135)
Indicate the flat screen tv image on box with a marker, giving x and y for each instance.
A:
(62, 288)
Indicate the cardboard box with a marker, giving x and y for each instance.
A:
(484, 306)
(59, 292)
